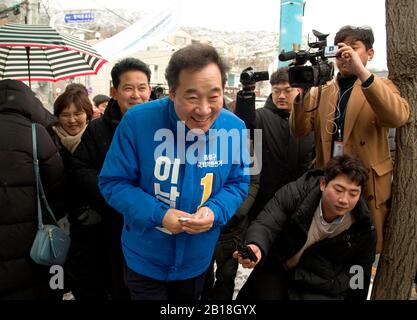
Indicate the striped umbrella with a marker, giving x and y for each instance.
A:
(39, 52)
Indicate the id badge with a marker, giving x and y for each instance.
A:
(338, 148)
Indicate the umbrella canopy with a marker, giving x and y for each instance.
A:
(39, 52)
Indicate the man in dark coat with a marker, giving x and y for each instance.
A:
(315, 238)
(20, 277)
(131, 78)
(284, 158)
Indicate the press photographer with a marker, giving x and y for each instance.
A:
(352, 115)
(284, 158)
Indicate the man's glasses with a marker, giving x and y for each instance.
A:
(286, 91)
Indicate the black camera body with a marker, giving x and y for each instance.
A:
(244, 250)
(245, 98)
(319, 72)
(248, 76)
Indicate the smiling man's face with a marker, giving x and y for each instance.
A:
(133, 89)
(198, 98)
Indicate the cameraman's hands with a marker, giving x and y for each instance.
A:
(350, 62)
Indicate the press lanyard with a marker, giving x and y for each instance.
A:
(341, 118)
(338, 148)
(339, 134)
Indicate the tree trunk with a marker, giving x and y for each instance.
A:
(398, 261)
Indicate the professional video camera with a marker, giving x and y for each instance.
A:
(320, 71)
(249, 77)
(245, 98)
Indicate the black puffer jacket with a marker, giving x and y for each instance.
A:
(20, 277)
(87, 162)
(323, 270)
(89, 156)
(284, 158)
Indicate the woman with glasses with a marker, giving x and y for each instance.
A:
(73, 110)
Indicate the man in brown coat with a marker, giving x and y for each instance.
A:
(353, 116)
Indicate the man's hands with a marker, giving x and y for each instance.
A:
(201, 221)
(351, 62)
(247, 263)
(170, 220)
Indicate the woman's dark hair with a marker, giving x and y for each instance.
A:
(363, 34)
(76, 86)
(128, 64)
(78, 98)
(348, 165)
(193, 57)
